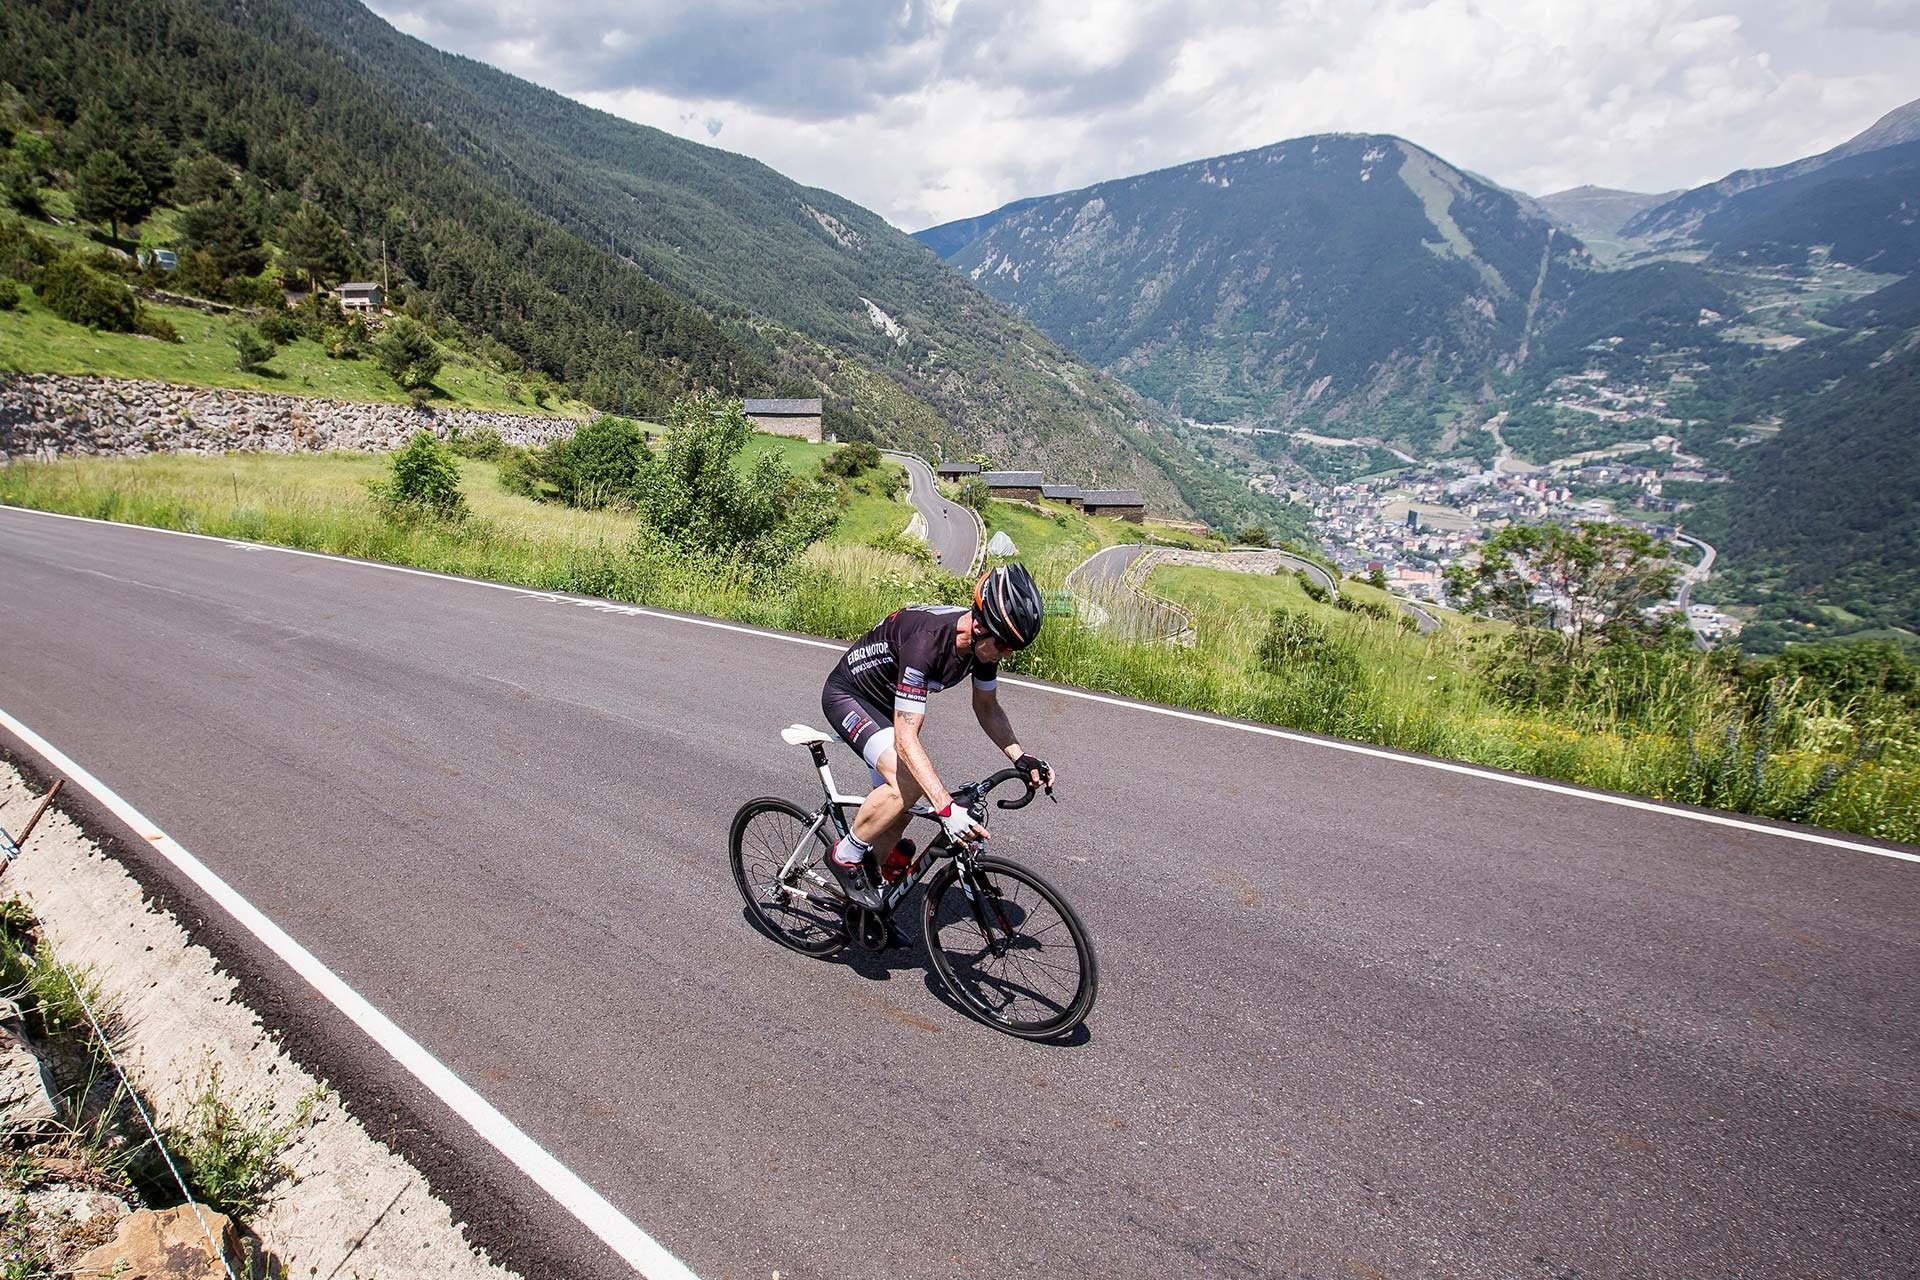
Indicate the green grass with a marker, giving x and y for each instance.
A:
(872, 514)
(1379, 684)
(34, 340)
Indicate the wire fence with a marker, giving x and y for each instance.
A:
(11, 848)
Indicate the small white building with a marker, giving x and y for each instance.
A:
(361, 296)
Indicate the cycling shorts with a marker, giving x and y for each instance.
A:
(860, 724)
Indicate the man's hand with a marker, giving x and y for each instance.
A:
(961, 828)
(1037, 771)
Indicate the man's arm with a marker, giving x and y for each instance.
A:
(993, 718)
(914, 759)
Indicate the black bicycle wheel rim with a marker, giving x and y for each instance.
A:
(765, 832)
(1041, 986)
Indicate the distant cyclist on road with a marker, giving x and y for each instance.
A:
(876, 698)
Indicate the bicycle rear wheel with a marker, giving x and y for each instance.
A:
(801, 909)
(1016, 955)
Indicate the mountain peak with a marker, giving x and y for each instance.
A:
(1902, 124)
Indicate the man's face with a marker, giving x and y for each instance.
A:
(988, 649)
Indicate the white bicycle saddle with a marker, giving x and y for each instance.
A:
(800, 735)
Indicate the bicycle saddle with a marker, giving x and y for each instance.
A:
(799, 735)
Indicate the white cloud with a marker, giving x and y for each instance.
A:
(931, 111)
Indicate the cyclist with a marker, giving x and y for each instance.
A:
(876, 698)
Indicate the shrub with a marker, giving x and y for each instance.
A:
(484, 445)
(696, 502)
(521, 473)
(851, 460)
(74, 292)
(1253, 535)
(278, 327)
(152, 324)
(423, 482)
(407, 352)
(9, 295)
(599, 464)
(1314, 590)
(250, 350)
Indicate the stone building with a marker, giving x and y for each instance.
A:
(786, 417)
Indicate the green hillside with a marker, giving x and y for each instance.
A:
(622, 263)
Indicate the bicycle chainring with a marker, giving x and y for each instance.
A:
(867, 928)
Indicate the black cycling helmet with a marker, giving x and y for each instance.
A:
(1008, 604)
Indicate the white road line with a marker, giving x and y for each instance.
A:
(640, 1251)
(1194, 717)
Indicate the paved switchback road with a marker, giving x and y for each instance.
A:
(951, 530)
(1359, 1016)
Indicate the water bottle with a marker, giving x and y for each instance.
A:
(898, 861)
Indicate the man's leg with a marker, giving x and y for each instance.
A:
(884, 814)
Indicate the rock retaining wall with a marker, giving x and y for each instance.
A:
(48, 415)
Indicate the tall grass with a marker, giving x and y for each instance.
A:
(1667, 729)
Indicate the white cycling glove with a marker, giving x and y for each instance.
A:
(958, 822)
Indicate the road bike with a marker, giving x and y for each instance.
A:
(1004, 942)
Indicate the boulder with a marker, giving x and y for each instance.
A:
(182, 1243)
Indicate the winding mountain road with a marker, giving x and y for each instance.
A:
(1361, 1014)
(952, 530)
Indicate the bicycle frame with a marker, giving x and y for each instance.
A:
(834, 810)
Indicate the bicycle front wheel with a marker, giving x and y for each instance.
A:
(1014, 953)
(778, 855)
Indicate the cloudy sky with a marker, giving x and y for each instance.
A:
(928, 110)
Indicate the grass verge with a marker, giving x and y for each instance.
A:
(1356, 677)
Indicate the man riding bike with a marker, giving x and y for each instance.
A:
(876, 698)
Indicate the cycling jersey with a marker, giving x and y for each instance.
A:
(911, 654)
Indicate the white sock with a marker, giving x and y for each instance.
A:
(851, 850)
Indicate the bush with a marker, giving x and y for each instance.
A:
(75, 293)
(407, 352)
(484, 445)
(851, 460)
(9, 295)
(696, 502)
(1315, 592)
(251, 351)
(1253, 535)
(521, 473)
(598, 465)
(278, 327)
(423, 482)
(150, 323)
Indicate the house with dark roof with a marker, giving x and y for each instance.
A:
(957, 470)
(785, 417)
(1068, 493)
(1128, 504)
(361, 295)
(1014, 484)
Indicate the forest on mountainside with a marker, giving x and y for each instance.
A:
(638, 269)
(165, 86)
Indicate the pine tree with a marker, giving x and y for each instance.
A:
(107, 190)
(314, 245)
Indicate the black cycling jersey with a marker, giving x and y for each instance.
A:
(910, 654)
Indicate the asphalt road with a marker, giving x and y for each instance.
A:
(951, 530)
(1358, 1016)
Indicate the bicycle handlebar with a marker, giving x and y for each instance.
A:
(978, 790)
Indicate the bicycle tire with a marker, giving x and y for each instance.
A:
(946, 913)
(764, 832)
